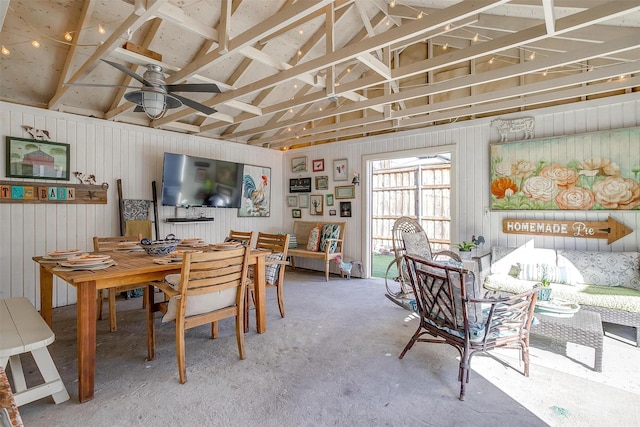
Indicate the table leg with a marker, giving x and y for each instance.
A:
(86, 339)
(260, 295)
(151, 330)
(46, 294)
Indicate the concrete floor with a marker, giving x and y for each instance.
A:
(332, 362)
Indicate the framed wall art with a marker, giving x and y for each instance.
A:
(332, 212)
(299, 164)
(316, 205)
(329, 199)
(591, 171)
(292, 201)
(303, 201)
(318, 165)
(322, 182)
(256, 192)
(300, 185)
(345, 209)
(340, 170)
(296, 213)
(37, 159)
(345, 192)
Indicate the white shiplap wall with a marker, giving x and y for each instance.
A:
(134, 154)
(110, 151)
(471, 175)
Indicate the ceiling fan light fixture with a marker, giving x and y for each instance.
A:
(154, 104)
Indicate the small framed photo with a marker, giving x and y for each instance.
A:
(299, 164)
(346, 192)
(345, 209)
(318, 165)
(329, 199)
(332, 212)
(303, 201)
(300, 185)
(340, 170)
(296, 213)
(322, 182)
(292, 201)
(316, 205)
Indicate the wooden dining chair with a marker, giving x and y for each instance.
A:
(210, 287)
(244, 237)
(278, 245)
(109, 244)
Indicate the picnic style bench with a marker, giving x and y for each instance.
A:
(22, 330)
(302, 229)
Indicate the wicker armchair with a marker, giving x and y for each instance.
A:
(398, 288)
(450, 310)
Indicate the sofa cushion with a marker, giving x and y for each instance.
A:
(602, 268)
(615, 298)
(505, 260)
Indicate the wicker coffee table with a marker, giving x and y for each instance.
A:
(584, 328)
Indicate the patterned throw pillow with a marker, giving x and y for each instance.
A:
(314, 239)
(198, 304)
(329, 231)
(271, 273)
(417, 244)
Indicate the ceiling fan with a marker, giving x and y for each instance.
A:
(155, 97)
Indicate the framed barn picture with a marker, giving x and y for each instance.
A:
(37, 159)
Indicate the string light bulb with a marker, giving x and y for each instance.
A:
(67, 36)
(545, 72)
(447, 27)
(475, 37)
(532, 56)
(5, 51)
(420, 15)
(446, 46)
(392, 3)
(35, 43)
(492, 60)
(101, 29)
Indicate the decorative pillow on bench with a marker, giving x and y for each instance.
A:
(314, 239)
(329, 231)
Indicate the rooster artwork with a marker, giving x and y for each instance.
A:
(256, 193)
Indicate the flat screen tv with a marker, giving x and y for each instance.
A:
(197, 181)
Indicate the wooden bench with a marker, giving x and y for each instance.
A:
(301, 230)
(23, 330)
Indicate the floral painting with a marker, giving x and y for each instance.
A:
(594, 171)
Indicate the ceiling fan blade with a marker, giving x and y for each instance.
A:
(195, 105)
(100, 85)
(128, 72)
(193, 87)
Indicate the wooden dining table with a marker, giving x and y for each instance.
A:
(131, 267)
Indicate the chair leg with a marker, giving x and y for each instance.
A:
(280, 298)
(240, 335)
(411, 342)
(245, 313)
(113, 326)
(99, 298)
(326, 270)
(214, 330)
(180, 352)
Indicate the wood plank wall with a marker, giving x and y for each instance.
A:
(471, 183)
(110, 151)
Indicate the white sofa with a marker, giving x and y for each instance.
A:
(605, 282)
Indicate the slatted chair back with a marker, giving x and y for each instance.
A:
(244, 237)
(105, 244)
(452, 311)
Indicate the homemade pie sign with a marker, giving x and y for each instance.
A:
(610, 229)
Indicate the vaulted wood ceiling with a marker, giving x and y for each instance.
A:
(294, 73)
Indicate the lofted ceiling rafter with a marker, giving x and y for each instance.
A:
(299, 72)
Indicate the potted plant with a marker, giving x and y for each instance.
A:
(464, 248)
(544, 293)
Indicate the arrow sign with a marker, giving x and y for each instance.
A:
(610, 229)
